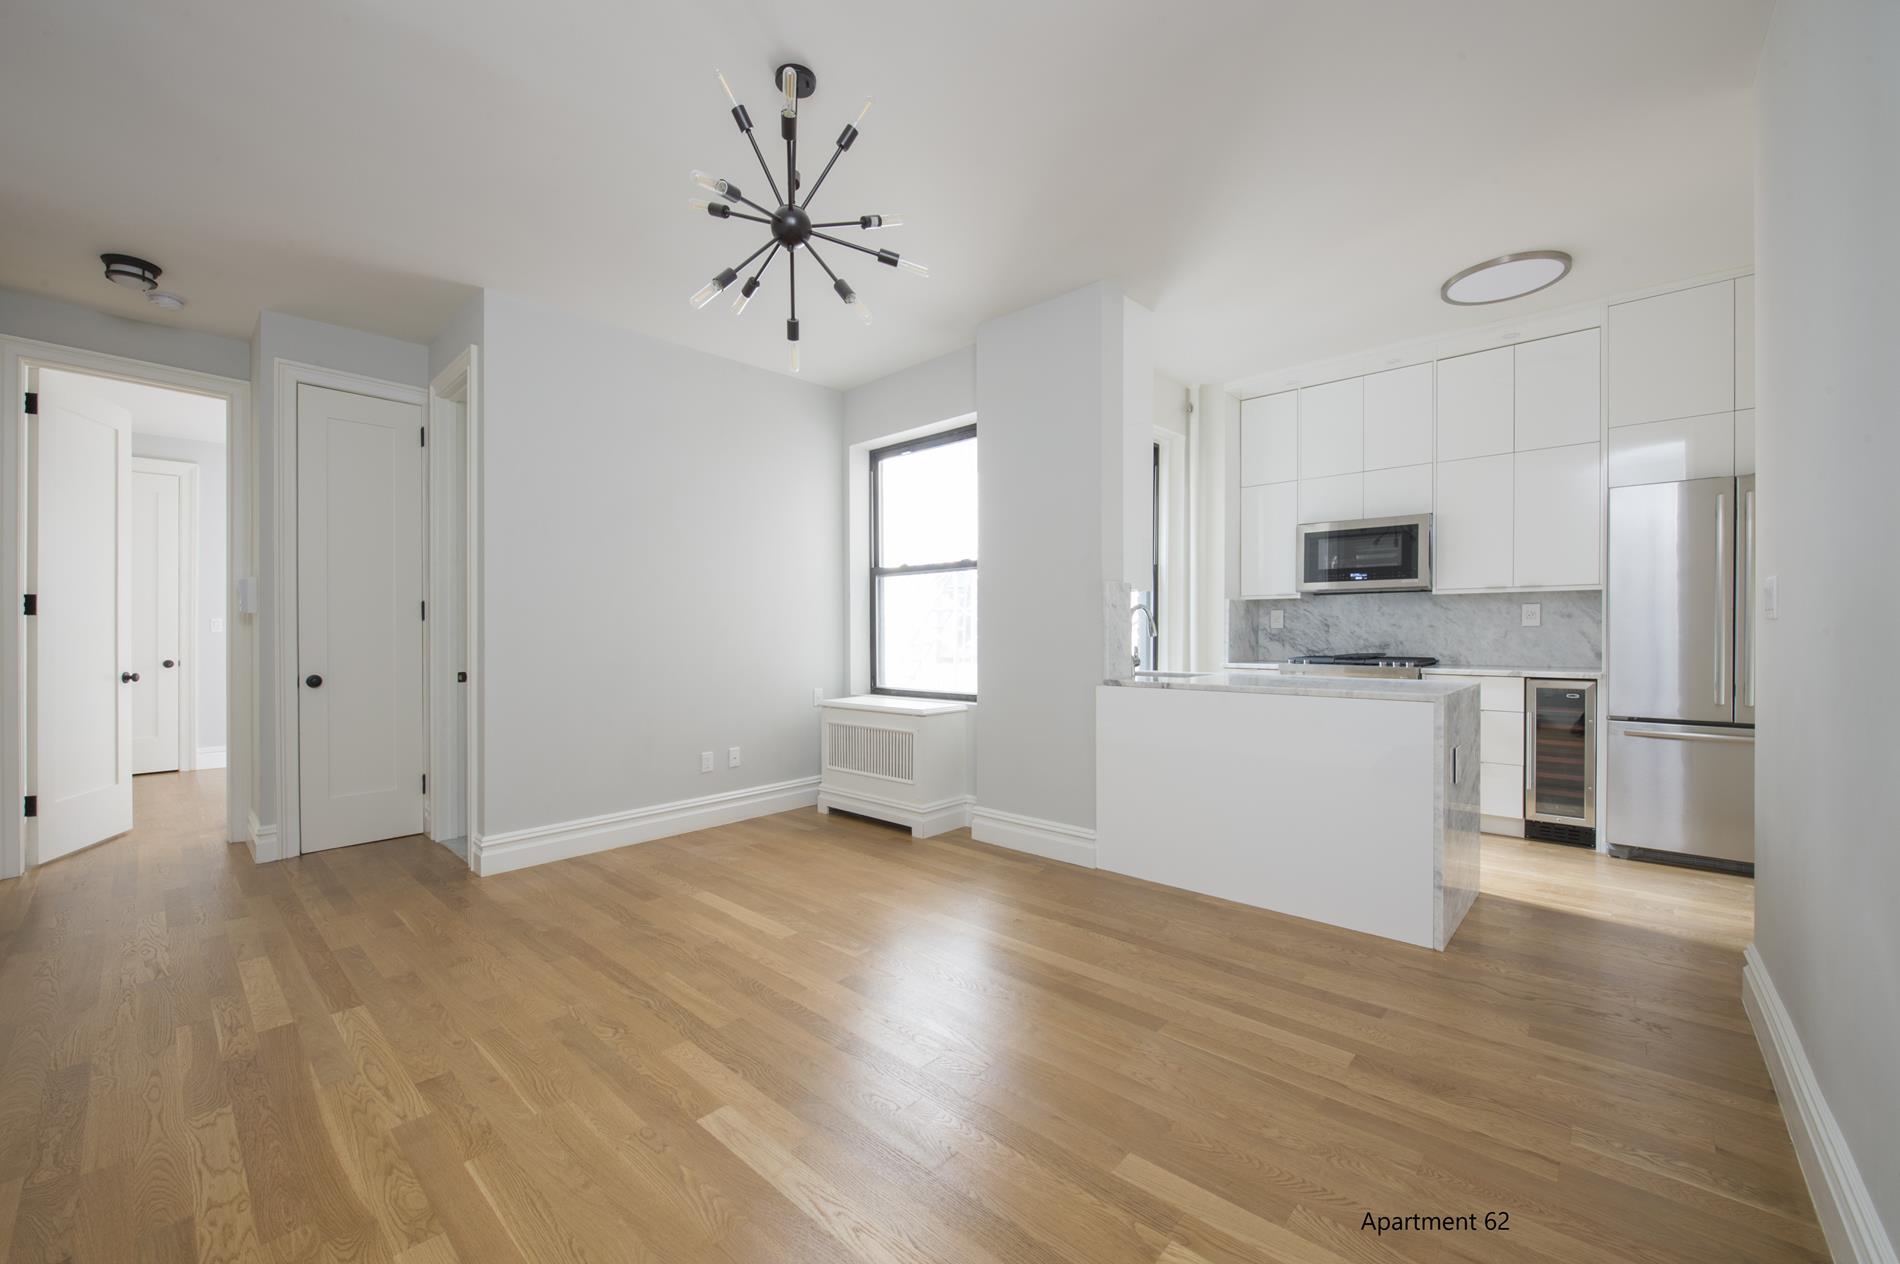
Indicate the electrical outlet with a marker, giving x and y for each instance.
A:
(1533, 614)
(732, 756)
(217, 626)
(705, 761)
(1276, 619)
(1771, 597)
(817, 697)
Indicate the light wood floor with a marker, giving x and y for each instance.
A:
(812, 1039)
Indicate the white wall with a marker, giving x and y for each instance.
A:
(664, 569)
(1050, 410)
(282, 337)
(463, 330)
(1214, 442)
(209, 670)
(70, 325)
(920, 396)
(1828, 292)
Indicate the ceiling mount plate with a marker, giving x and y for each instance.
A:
(807, 81)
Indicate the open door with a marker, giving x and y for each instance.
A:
(79, 675)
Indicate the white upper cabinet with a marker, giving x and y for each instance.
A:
(1744, 342)
(1559, 395)
(1332, 429)
(1398, 492)
(1399, 417)
(1340, 498)
(1673, 355)
(1557, 518)
(1268, 516)
(1472, 524)
(1673, 451)
(1476, 405)
(1270, 439)
(1745, 441)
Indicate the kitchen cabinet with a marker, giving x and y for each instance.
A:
(1745, 441)
(1673, 355)
(1268, 516)
(1392, 493)
(1501, 735)
(1476, 405)
(1744, 342)
(1501, 790)
(1398, 417)
(1559, 391)
(1340, 498)
(1332, 429)
(1558, 531)
(1672, 451)
(1270, 439)
(1472, 524)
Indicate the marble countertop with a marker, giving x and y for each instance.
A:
(1553, 673)
(1305, 686)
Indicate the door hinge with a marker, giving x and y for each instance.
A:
(422, 437)
(30, 604)
(32, 805)
(32, 403)
(425, 783)
(425, 610)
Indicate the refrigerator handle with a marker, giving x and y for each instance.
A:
(1724, 610)
(1745, 600)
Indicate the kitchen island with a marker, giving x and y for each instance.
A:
(1348, 801)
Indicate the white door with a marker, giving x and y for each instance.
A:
(158, 505)
(359, 618)
(79, 668)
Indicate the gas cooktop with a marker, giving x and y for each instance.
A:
(1386, 666)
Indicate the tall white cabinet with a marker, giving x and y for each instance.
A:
(1682, 393)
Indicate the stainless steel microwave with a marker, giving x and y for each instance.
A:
(1366, 555)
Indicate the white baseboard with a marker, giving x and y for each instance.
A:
(263, 842)
(1845, 1209)
(538, 845)
(210, 757)
(923, 820)
(1052, 840)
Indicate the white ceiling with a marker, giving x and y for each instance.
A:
(1279, 180)
(156, 410)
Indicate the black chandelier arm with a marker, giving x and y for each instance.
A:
(845, 223)
(733, 195)
(791, 264)
(764, 166)
(773, 254)
(745, 262)
(839, 241)
(756, 219)
(820, 261)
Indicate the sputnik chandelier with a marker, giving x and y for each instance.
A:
(791, 224)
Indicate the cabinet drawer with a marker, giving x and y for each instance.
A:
(1501, 693)
(1501, 737)
(1501, 790)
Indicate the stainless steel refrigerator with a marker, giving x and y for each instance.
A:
(1681, 665)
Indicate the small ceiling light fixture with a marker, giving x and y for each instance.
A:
(1506, 277)
(165, 299)
(790, 224)
(131, 271)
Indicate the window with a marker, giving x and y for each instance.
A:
(923, 566)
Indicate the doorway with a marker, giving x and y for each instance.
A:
(123, 474)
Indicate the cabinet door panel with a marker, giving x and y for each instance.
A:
(1559, 390)
(1407, 490)
(1475, 405)
(1501, 737)
(1673, 355)
(1340, 498)
(1559, 507)
(1268, 516)
(1332, 429)
(1471, 525)
(1270, 439)
(1745, 441)
(1399, 417)
(1744, 342)
(1501, 790)
(1673, 451)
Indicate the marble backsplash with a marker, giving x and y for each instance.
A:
(1459, 629)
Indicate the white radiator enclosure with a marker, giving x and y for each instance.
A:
(904, 760)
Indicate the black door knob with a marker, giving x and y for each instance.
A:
(168, 663)
(315, 682)
(127, 678)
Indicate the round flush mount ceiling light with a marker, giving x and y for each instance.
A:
(165, 299)
(1506, 277)
(131, 272)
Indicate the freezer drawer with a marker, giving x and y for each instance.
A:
(1683, 788)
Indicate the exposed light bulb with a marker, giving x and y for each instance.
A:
(788, 79)
(705, 294)
(794, 357)
(728, 88)
(864, 313)
(698, 204)
(913, 266)
(746, 292)
(712, 184)
(882, 221)
(859, 121)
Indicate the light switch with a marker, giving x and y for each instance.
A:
(1771, 597)
(818, 697)
(217, 626)
(1533, 614)
(1276, 619)
(705, 761)
(732, 757)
